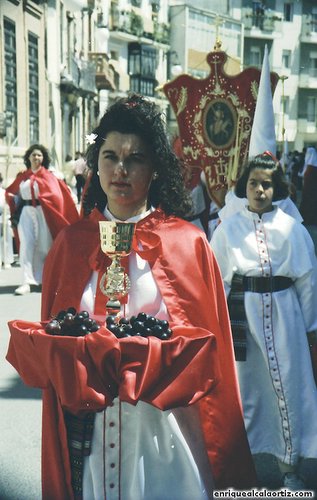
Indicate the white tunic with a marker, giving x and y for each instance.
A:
(234, 204)
(277, 386)
(35, 237)
(140, 452)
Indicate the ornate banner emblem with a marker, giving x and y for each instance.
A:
(214, 117)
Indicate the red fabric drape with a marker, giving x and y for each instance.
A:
(55, 198)
(308, 205)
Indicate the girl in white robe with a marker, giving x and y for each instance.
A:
(276, 379)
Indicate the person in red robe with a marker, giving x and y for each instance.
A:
(45, 206)
(308, 204)
(136, 417)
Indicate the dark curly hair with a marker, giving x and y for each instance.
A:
(268, 162)
(46, 157)
(137, 115)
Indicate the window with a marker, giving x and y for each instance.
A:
(155, 6)
(255, 56)
(10, 74)
(134, 62)
(314, 20)
(33, 88)
(198, 73)
(313, 64)
(116, 18)
(114, 55)
(142, 68)
(288, 12)
(311, 109)
(258, 12)
(199, 17)
(286, 59)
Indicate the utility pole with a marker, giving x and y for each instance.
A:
(6, 127)
(283, 78)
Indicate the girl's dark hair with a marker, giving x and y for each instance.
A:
(46, 158)
(268, 162)
(136, 115)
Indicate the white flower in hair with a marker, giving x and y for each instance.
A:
(91, 138)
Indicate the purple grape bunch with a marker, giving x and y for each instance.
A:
(142, 325)
(72, 323)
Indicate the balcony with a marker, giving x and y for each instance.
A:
(87, 80)
(70, 75)
(261, 23)
(161, 33)
(125, 21)
(308, 80)
(104, 74)
(78, 77)
(309, 29)
(307, 126)
(130, 24)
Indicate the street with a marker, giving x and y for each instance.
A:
(20, 415)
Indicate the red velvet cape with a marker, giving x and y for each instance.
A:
(55, 198)
(308, 205)
(85, 373)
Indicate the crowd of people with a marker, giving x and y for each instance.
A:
(301, 171)
(142, 418)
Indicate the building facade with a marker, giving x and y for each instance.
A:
(51, 76)
(62, 62)
(24, 91)
(70, 60)
(289, 28)
(138, 42)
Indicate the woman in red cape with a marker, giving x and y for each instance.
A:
(136, 418)
(46, 206)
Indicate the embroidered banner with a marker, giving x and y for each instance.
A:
(214, 117)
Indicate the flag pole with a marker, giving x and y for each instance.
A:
(283, 78)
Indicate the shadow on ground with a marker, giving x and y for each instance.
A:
(10, 289)
(7, 290)
(270, 477)
(18, 390)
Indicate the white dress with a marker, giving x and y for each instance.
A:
(277, 386)
(35, 237)
(140, 452)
